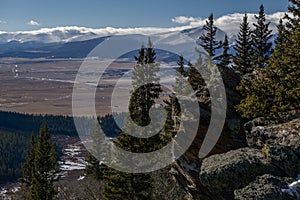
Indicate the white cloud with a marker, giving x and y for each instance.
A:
(2, 22)
(185, 20)
(33, 23)
(230, 23)
(104, 31)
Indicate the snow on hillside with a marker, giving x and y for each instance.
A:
(78, 42)
(72, 158)
(74, 33)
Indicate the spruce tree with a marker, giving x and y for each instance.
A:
(280, 41)
(180, 87)
(123, 185)
(93, 167)
(145, 84)
(225, 58)
(99, 153)
(46, 167)
(276, 88)
(293, 21)
(242, 59)
(41, 168)
(208, 39)
(262, 47)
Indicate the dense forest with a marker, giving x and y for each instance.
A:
(16, 129)
(28, 123)
(13, 152)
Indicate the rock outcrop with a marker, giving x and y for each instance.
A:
(186, 169)
(234, 169)
(260, 171)
(257, 160)
(286, 134)
(266, 187)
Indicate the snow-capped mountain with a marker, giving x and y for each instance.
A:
(74, 33)
(77, 42)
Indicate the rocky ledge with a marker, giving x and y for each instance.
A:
(266, 169)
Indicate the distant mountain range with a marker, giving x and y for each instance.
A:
(77, 42)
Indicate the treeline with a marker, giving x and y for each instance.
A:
(28, 123)
(16, 129)
(13, 152)
(58, 124)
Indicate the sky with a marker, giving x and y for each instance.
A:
(26, 15)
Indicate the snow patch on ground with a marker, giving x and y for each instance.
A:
(69, 165)
(8, 189)
(294, 189)
(73, 158)
(81, 178)
(3, 191)
(15, 189)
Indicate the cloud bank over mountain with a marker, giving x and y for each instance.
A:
(230, 23)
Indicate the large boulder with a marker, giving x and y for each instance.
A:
(234, 169)
(284, 159)
(286, 134)
(280, 143)
(266, 187)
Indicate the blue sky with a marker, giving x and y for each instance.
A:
(34, 14)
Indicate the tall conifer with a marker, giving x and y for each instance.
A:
(242, 59)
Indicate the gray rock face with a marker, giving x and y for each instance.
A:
(266, 187)
(280, 143)
(234, 169)
(287, 134)
(284, 159)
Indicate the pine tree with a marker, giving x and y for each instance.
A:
(180, 87)
(41, 169)
(195, 79)
(99, 153)
(208, 40)
(225, 58)
(293, 21)
(276, 88)
(145, 84)
(280, 41)
(242, 60)
(93, 167)
(122, 185)
(45, 167)
(261, 35)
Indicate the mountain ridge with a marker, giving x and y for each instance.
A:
(77, 42)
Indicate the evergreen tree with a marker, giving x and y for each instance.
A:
(180, 81)
(195, 79)
(122, 185)
(293, 21)
(101, 149)
(93, 167)
(280, 41)
(41, 169)
(242, 60)
(225, 58)
(208, 40)
(46, 167)
(276, 88)
(261, 35)
(145, 84)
